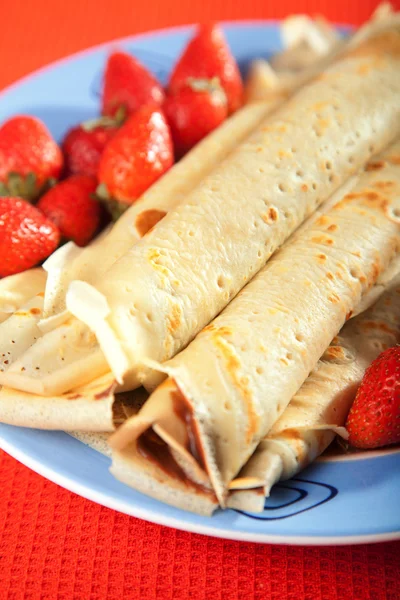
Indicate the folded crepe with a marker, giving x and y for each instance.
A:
(16, 290)
(308, 425)
(93, 408)
(232, 383)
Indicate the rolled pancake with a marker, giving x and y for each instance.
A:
(307, 426)
(16, 290)
(90, 263)
(159, 478)
(93, 408)
(231, 384)
(167, 304)
(267, 186)
(69, 262)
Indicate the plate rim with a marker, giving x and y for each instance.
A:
(140, 36)
(110, 502)
(140, 512)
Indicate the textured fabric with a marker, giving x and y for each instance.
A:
(55, 545)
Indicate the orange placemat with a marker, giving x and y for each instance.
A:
(55, 545)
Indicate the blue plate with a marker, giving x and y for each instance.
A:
(337, 500)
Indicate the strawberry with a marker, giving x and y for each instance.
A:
(207, 56)
(26, 236)
(70, 205)
(83, 146)
(194, 111)
(128, 85)
(374, 418)
(139, 153)
(29, 157)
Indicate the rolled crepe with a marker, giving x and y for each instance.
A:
(307, 426)
(231, 384)
(93, 408)
(70, 262)
(90, 263)
(16, 290)
(199, 257)
(167, 304)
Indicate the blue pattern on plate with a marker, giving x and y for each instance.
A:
(292, 498)
(366, 507)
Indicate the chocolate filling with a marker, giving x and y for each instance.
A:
(183, 410)
(153, 448)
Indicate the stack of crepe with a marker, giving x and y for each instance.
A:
(315, 182)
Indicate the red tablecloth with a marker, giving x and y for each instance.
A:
(55, 545)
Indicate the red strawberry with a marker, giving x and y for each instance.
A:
(29, 157)
(207, 56)
(70, 205)
(194, 111)
(374, 418)
(26, 236)
(139, 153)
(128, 85)
(84, 145)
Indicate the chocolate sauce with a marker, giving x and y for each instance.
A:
(153, 448)
(184, 411)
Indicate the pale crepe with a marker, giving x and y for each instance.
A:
(233, 382)
(170, 485)
(90, 263)
(156, 297)
(87, 362)
(94, 407)
(308, 425)
(16, 290)
(20, 330)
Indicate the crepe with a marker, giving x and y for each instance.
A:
(20, 330)
(93, 408)
(85, 361)
(156, 297)
(231, 384)
(90, 263)
(308, 425)
(16, 290)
